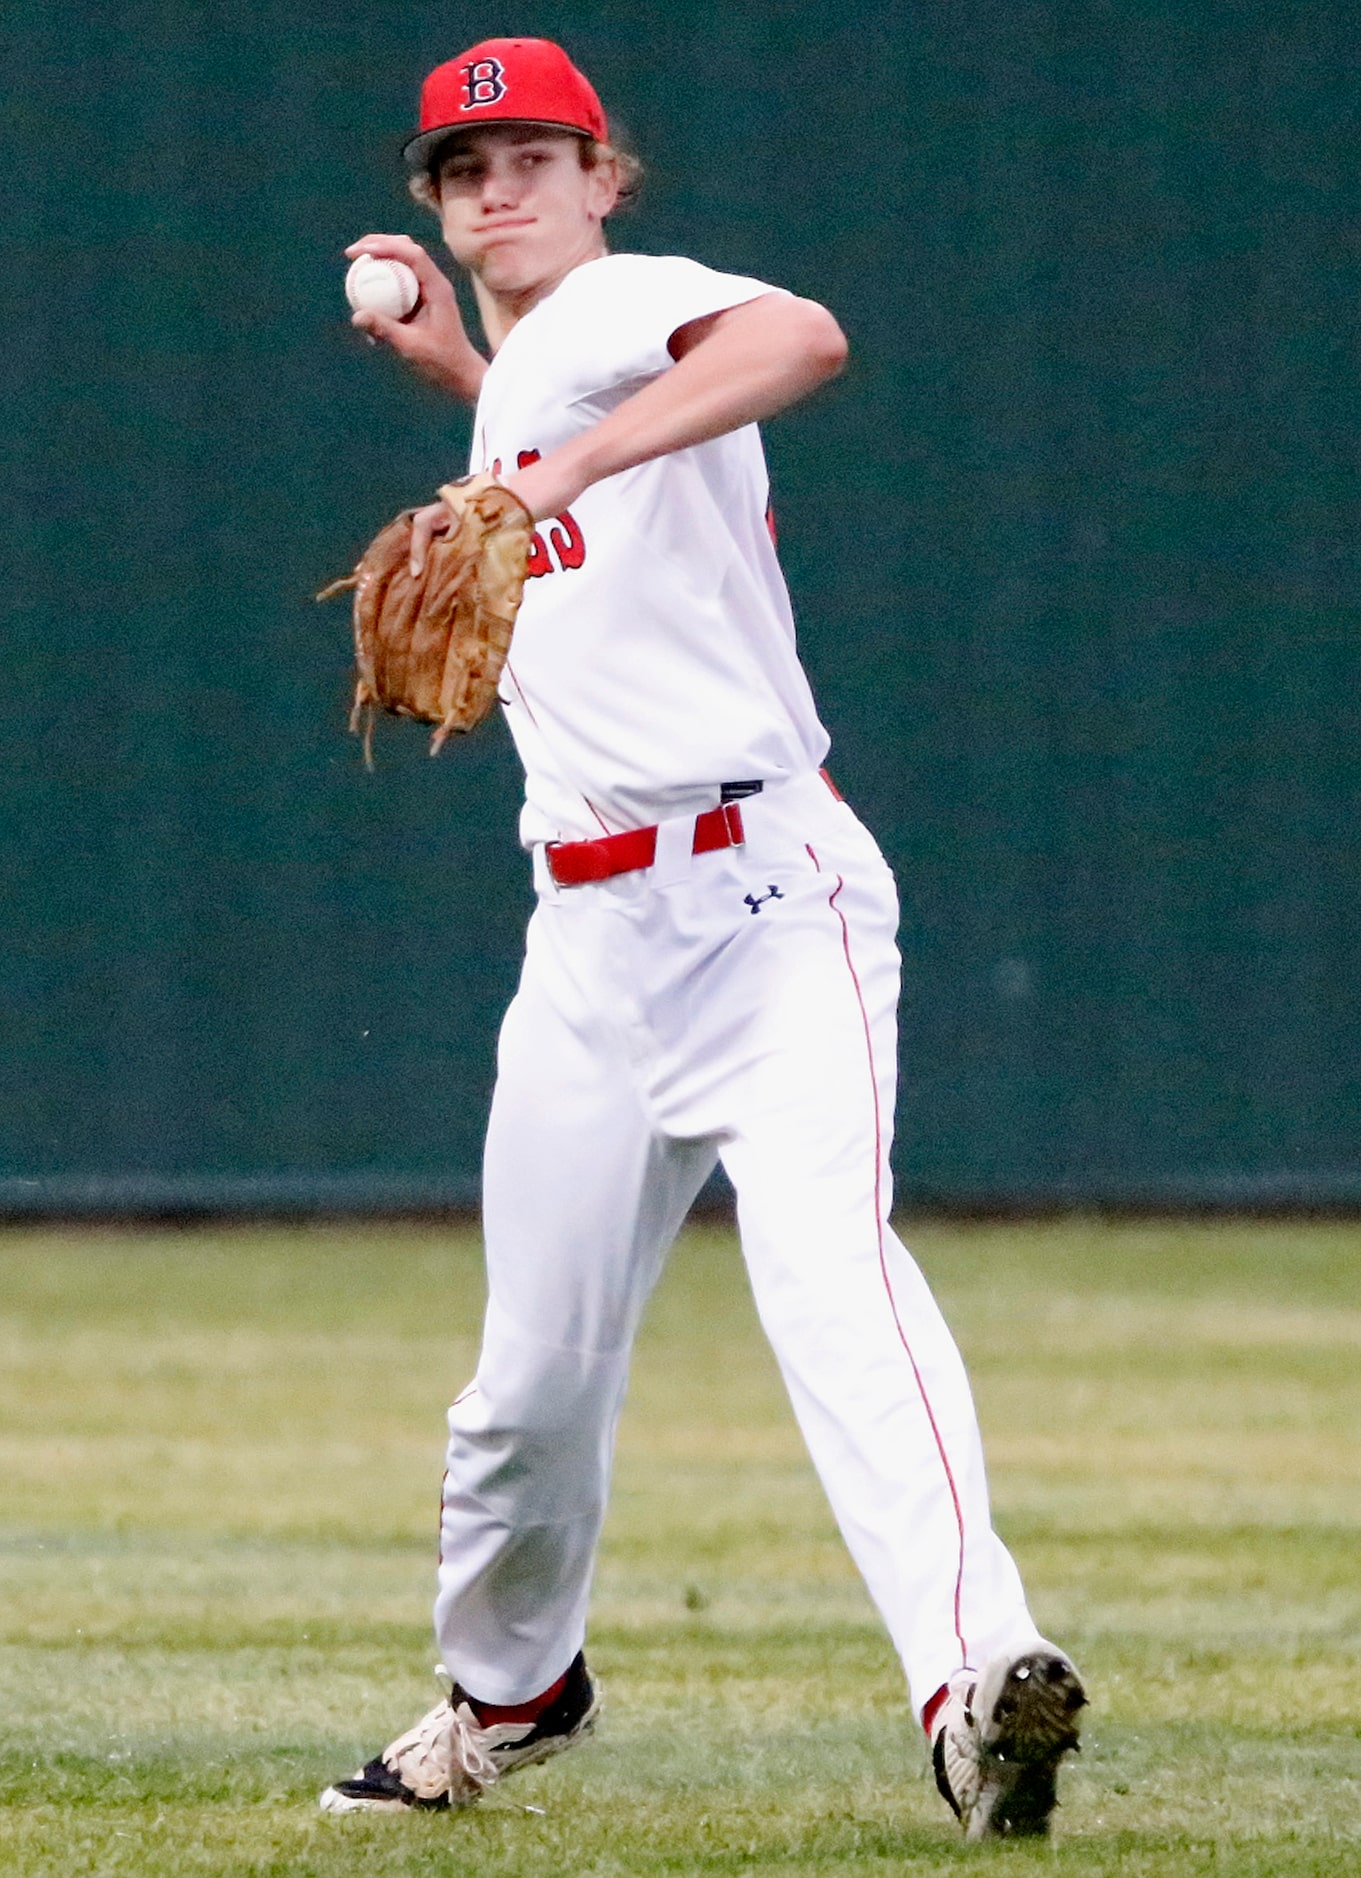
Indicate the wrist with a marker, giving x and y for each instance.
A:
(583, 460)
(461, 371)
(551, 484)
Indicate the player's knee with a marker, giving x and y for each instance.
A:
(540, 1467)
(537, 1412)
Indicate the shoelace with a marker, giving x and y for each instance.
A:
(446, 1752)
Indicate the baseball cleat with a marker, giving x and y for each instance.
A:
(999, 1738)
(450, 1759)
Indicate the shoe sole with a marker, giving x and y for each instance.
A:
(509, 1762)
(1027, 1708)
(334, 1801)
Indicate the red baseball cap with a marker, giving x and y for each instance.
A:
(505, 81)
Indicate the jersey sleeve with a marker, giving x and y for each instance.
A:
(630, 307)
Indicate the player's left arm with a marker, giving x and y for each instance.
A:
(732, 368)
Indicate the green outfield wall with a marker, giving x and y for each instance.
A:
(1073, 546)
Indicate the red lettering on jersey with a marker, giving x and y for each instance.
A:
(770, 525)
(568, 542)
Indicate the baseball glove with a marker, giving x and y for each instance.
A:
(433, 647)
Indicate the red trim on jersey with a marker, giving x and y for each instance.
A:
(883, 1257)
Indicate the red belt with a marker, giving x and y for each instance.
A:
(575, 863)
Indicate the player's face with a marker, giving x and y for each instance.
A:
(517, 207)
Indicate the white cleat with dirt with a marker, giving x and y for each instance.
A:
(450, 1759)
(999, 1737)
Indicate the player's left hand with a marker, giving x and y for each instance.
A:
(434, 519)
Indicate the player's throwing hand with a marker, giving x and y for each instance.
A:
(432, 337)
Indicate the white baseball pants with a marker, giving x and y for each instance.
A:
(738, 1005)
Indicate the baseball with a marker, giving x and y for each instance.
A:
(375, 285)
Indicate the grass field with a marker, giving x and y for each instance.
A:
(221, 1451)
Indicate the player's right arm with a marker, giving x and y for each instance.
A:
(432, 339)
(732, 368)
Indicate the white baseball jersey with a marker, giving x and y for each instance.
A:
(653, 656)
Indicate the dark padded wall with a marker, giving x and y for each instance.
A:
(1073, 546)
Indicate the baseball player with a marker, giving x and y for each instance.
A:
(711, 973)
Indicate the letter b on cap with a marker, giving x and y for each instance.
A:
(484, 82)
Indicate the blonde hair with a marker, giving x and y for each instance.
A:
(424, 185)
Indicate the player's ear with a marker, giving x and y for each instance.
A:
(424, 189)
(602, 180)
